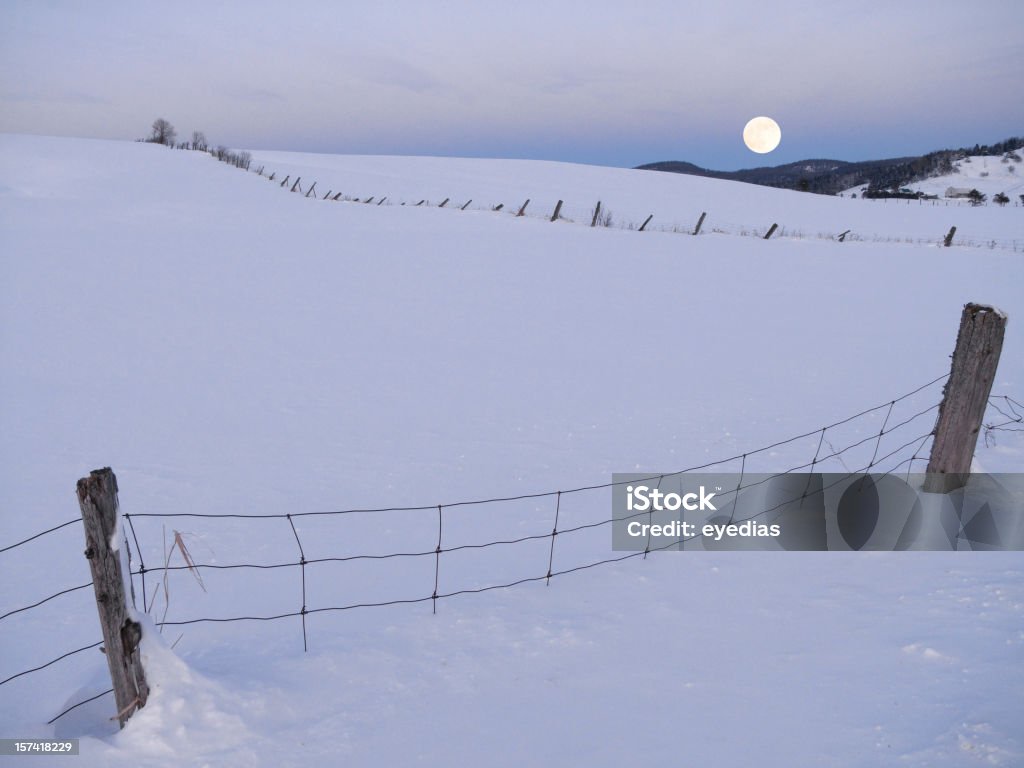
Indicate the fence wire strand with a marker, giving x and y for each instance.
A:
(1007, 408)
(38, 535)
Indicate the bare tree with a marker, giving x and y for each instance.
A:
(199, 141)
(163, 132)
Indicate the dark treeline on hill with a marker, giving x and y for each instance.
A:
(162, 132)
(829, 177)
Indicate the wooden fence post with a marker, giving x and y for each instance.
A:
(843, 235)
(597, 214)
(97, 498)
(948, 241)
(523, 209)
(444, 203)
(975, 360)
(646, 222)
(464, 207)
(296, 184)
(700, 221)
(558, 210)
(771, 231)
(310, 192)
(498, 207)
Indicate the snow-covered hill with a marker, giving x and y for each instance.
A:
(990, 175)
(674, 201)
(228, 347)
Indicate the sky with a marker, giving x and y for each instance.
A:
(588, 82)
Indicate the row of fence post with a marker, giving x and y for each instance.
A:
(947, 241)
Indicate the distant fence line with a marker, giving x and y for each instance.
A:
(600, 216)
(243, 160)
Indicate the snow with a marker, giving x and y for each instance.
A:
(988, 174)
(676, 201)
(228, 347)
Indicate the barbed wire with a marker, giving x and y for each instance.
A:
(1011, 411)
(50, 662)
(438, 550)
(38, 535)
(45, 600)
(1005, 406)
(548, 494)
(76, 706)
(889, 426)
(919, 440)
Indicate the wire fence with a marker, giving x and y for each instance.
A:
(556, 533)
(1008, 417)
(552, 209)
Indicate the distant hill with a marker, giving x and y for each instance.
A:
(830, 177)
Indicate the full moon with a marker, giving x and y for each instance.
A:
(762, 134)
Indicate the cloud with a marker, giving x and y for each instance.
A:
(51, 97)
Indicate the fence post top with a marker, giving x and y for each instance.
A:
(94, 478)
(975, 308)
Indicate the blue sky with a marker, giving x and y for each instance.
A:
(592, 82)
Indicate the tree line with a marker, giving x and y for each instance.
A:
(162, 132)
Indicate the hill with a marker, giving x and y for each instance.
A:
(263, 369)
(833, 176)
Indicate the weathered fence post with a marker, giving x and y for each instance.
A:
(498, 207)
(975, 360)
(558, 210)
(444, 203)
(948, 240)
(843, 235)
(597, 214)
(466, 205)
(646, 222)
(310, 192)
(700, 221)
(771, 231)
(97, 498)
(523, 209)
(296, 184)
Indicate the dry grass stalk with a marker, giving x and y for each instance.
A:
(179, 544)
